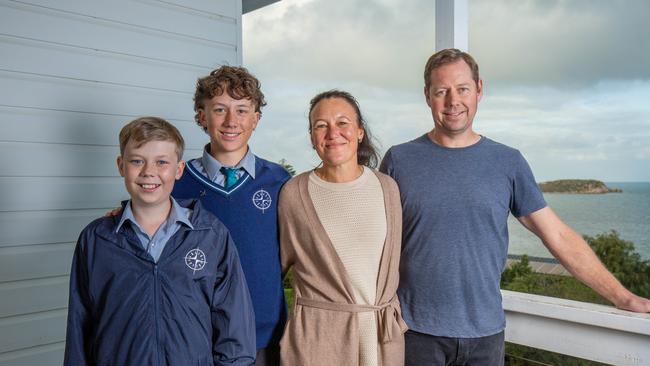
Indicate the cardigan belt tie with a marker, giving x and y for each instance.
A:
(389, 314)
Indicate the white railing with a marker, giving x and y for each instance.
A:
(594, 332)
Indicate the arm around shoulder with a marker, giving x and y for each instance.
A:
(579, 259)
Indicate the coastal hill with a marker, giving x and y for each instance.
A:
(582, 186)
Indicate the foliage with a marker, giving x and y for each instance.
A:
(288, 167)
(288, 279)
(517, 355)
(623, 261)
(288, 297)
(518, 269)
(617, 255)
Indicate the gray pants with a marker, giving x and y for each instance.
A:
(427, 350)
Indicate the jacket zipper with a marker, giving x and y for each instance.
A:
(156, 312)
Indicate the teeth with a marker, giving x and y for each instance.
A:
(149, 186)
(230, 134)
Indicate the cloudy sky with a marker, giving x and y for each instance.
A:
(566, 82)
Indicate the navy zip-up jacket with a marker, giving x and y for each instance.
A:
(191, 308)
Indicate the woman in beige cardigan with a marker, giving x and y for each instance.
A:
(340, 230)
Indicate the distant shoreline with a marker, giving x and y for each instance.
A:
(577, 186)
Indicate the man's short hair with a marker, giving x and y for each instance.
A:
(448, 56)
(146, 129)
(234, 80)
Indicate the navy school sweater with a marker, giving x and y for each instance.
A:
(249, 211)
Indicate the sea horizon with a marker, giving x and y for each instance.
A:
(627, 212)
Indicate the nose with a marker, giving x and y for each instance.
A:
(230, 120)
(148, 169)
(452, 98)
(332, 131)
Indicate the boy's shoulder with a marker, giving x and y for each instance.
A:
(103, 227)
(266, 167)
(202, 218)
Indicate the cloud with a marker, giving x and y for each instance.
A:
(370, 42)
(560, 43)
(566, 82)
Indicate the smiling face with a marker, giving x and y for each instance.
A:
(149, 172)
(335, 132)
(453, 97)
(230, 123)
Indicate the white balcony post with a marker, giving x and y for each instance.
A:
(452, 24)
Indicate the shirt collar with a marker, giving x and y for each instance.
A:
(177, 213)
(212, 166)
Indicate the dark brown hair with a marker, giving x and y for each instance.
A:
(367, 152)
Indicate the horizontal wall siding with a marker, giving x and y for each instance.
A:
(63, 160)
(49, 354)
(24, 124)
(72, 73)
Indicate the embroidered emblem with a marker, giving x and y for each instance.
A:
(195, 259)
(262, 200)
(202, 193)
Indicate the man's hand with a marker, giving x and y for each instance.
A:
(114, 212)
(634, 303)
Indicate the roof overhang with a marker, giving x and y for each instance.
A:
(249, 5)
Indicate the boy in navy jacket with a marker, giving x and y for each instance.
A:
(241, 189)
(160, 284)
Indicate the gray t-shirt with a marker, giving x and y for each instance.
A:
(456, 203)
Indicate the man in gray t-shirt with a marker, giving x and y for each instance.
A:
(457, 189)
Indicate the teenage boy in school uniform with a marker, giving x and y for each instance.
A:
(241, 189)
(160, 283)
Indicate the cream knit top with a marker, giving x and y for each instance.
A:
(354, 218)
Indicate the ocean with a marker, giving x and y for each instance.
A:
(628, 213)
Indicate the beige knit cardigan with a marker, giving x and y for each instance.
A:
(323, 329)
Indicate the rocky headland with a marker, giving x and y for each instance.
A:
(577, 186)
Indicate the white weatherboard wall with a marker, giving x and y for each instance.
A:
(72, 73)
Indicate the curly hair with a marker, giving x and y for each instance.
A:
(234, 80)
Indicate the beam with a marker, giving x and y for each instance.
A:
(452, 24)
(249, 5)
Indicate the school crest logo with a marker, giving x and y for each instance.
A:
(262, 200)
(195, 259)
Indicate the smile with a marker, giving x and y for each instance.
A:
(149, 187)
(454, 114)
(231, 134)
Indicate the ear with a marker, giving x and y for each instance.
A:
(258, 116)
(479, 89)
(362, 133)
(120, 165)
(202, 120)
(426, 96)
(180, 169)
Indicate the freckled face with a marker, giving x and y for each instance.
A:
(453, 97)
(335, 131)
(150, 171)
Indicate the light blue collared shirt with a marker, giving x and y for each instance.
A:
(210, 167)
(154, 246)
